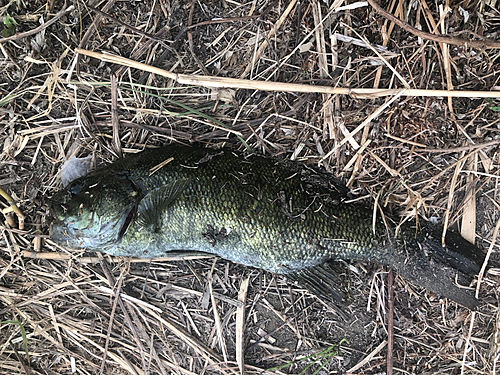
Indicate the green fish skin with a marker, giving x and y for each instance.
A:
(279, 216)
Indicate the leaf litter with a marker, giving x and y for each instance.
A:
(414, 152)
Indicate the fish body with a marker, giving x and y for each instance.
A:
(279, 216)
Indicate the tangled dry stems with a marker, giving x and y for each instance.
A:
(433, 156)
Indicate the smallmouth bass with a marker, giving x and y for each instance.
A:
(279, 216)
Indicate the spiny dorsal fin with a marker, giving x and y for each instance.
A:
(156, 201)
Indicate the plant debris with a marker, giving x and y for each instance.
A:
(394, 146)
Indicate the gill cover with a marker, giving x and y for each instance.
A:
(94, 211)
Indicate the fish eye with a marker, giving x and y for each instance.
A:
(75, 189)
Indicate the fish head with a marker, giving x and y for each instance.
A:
(94, 212)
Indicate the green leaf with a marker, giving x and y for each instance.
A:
(23, 334)
(493, 108)
(322, 358)
(10, 26)
(9, 21)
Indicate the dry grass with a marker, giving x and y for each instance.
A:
(415, 151)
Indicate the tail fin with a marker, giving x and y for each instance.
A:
(446, 256)
(466, 253)
(429, 267)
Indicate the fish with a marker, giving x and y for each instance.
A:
(280, 216)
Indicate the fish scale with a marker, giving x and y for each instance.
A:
(244, 196)
(275, 215)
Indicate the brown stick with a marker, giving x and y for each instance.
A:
(224, 82)
(190, 40)
(390, 322)
(115, 121)
(95, 22)
(12, 208)
(240, 326)
(270, 35)
(480, 44)
(222, 20)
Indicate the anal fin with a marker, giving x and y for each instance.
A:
(325, 282)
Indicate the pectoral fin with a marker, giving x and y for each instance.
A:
(156, 202)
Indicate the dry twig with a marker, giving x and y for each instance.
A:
(222, 82)
(437, 38)
(39, 28)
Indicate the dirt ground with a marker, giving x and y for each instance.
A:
(411, 152)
